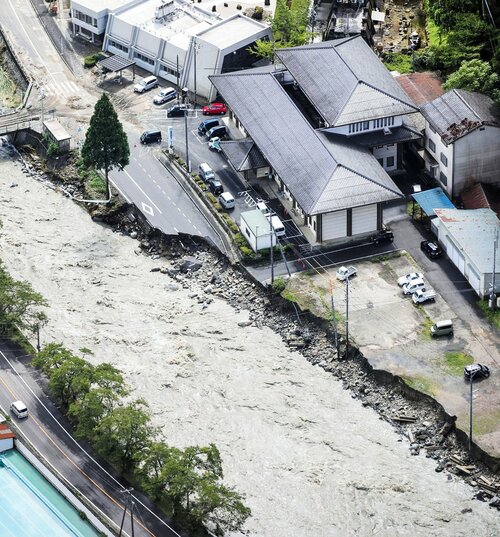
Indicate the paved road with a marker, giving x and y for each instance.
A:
(47, 430)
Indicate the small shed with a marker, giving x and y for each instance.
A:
(427, 201)
(6, 438)
(257, 230)
(57, 134)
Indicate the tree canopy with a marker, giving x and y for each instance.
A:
(19, 304)
(106, 145)
(475, 75)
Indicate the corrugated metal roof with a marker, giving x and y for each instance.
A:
(459, 112)
(474, 231)
(304, 159)
(435, 198)
(421, 87)
(343, 78)
(244, 154)
(116, 63)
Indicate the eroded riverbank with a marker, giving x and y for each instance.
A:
(311, 459)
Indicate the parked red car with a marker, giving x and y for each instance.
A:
(214, 109)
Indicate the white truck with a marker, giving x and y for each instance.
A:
(343, 273)
(420, 296)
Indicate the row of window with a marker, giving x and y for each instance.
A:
(143, 58)
(442, 157)
(389, 162)
(119, 46)
(376, 124)
(170, 71)
(85, 18)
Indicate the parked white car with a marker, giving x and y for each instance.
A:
(146, 84)
(420, 296)
(343, 273)
(414, 285)
(410, 277)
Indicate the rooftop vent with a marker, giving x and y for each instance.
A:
(164, 10)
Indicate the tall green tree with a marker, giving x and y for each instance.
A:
(106, 145)
(51, 357)
(19, 304)
(446, 13)
(124, 434)
(475, 75)
(71, 380)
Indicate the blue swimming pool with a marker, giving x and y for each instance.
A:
(31, 507)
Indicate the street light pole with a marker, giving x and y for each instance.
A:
(471, 382)
(187, 141)
(272, 249)
(195, 46)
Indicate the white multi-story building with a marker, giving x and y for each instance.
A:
(462, 140)
(173, 39)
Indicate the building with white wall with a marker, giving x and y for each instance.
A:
(468, 237)
(173, 39)
(462, 140)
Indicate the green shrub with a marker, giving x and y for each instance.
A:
(52, 149)
(398, 62)
(279, 285)
(246, 252)
(258, 13)
(91, 60)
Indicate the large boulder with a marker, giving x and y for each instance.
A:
(190, 264)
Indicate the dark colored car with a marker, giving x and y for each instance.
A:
(215, 187)
(208, 124)
(384, 235)
(476, 371)
(151, 137)
(431, 249)
(214, 109)
(217, 132)
(178, 110)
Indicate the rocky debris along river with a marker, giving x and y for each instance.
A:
(304, 435)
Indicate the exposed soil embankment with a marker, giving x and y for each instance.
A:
(206, 350)
(13, 83)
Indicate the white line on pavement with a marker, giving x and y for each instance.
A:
(135, 183)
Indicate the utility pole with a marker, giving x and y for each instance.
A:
(346, 317)
(493, 296)
(178, 77)
(129, 504)
(195, 46)
(471, 382)
(271, 234)
(38, 338)
(188, 164)
(334, 321)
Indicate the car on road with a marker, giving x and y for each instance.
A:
(215, 186)
(214, 144)
(151, 137)
(214, 109)
(442, 328)
(431, 249)
(217, 132)
(146, 84)
(420, 297)
(344, 273)
(410, 277)
(205, 172)
(410, 287)
(19, 409)
(206, 125)
(476, 371)
(384, 235)
(227, 201)
(178, 110)
(165, 96)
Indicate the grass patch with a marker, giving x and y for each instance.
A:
(484, 424)
(421, 384)
(493, 316)
(425, 331)
(10, 97)
(397, 61)
(289, 295)
(95, 184)
(454, 362)
(384, 257)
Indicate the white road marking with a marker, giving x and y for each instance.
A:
(135, 183)
(147, 209)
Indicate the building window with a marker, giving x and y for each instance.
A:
(443, 178)
(381, 161)
(432, 146)
(144, 58)
(119, 46)
(173, 72)
(247, 232)
(390, 162)
(444, 160)
(85, 18)
(366, 125)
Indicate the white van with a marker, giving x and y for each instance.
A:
(277, 225)
(205, 172)
(442, 328)
(146, 84)
(227, 201)
(19, 409)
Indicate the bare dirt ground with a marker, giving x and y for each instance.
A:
(393, 334)
(312, 461)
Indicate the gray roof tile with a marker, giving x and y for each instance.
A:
(244, 154)
(305, 160)
(330, 74)
(458, 112)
